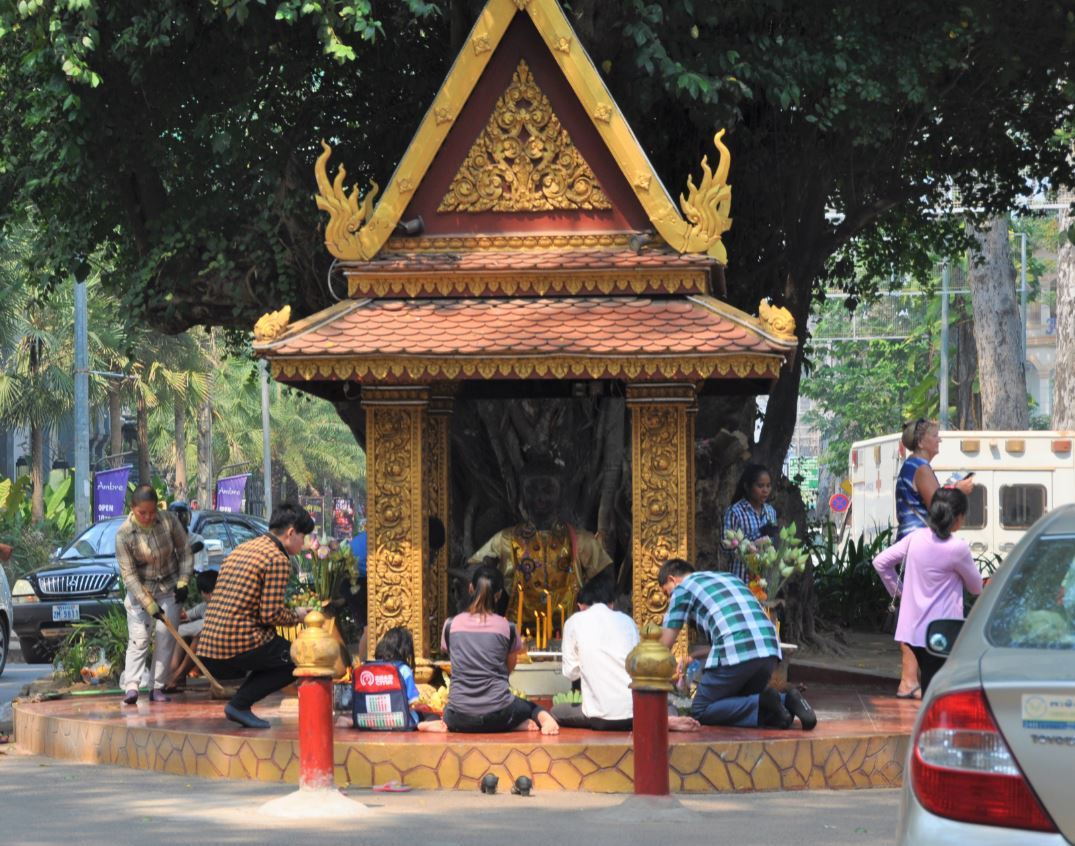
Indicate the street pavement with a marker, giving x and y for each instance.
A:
(15, 677)
(53, 803)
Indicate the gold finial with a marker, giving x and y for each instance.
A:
(346, 235)
(776, 320)
(651, 665)
(315, 652)
(272, 325)
(707, 206)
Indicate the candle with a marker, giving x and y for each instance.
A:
(563, 617)
(519, 615)
(548, 616)
(537, 629)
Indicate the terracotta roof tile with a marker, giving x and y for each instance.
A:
(564, 326)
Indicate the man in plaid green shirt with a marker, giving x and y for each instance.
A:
(734, 687)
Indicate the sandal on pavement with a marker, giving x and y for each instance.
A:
(911, 694)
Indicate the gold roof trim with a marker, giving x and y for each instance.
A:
(508, 284)
(754, 324)
(356, 232)
(401, 369)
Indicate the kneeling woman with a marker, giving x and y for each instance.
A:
(483, 648)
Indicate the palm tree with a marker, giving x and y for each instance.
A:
(309, 442)
(36, 381)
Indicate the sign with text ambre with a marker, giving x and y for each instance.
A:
(230, 492)
(110, 493)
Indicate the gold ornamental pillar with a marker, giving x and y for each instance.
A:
(396, 512)
(437, 474)
(662, 487)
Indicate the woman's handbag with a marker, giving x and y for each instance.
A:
(892, 614)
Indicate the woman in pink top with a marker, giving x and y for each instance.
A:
(938, 567)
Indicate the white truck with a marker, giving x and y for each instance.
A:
(1018, 476)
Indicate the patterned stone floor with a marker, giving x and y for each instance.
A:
(861, 741)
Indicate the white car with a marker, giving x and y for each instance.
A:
(6, 616)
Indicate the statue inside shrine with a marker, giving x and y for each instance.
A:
(545, 561)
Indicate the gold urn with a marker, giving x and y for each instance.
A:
(315, 651)
(650, 664)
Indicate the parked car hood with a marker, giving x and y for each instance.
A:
(77, 565)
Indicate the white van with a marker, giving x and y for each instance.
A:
(1018, 476)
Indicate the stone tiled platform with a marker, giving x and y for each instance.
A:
(861, 741)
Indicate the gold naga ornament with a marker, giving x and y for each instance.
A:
(776, 320)
(272, 325)
(707, 206)
(524, 160)
(345, 233)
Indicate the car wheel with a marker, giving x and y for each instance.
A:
(35, 651)
(5, 645)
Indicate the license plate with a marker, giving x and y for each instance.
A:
(65, 612)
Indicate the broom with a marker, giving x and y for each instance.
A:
(216, 689)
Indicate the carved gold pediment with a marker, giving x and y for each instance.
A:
(272, 325)
(524, 160)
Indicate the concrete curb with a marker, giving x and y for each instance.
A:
(820, 673)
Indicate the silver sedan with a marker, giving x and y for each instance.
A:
(992, 758)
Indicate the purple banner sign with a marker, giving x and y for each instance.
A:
(230, 492)
(110, 493)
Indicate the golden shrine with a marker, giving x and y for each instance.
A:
(523, 237)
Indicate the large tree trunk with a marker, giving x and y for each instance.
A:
(37, 474)
(205, 452)
(998, 331)
(180, 448)
(145, 473)
(1064, 381)
(968, 410)
(115, 424)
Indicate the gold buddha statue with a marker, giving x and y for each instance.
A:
(543, 553)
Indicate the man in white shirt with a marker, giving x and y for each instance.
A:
(596, 641)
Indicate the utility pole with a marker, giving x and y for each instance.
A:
(944, 348)
(266, 455)
(82, 408)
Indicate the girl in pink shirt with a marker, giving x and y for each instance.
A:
(937, 568)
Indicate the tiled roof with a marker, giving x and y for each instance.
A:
(507, 261)
(576, 326)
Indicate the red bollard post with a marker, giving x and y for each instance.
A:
(652, 668)
(315, 733)
(316, 655)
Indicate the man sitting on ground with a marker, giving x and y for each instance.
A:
(595, 646)
(239, 635)
(734, 687)
(191, 623)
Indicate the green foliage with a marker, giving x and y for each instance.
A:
(34, 543)
(103, 638)
(862, 390)
(849, 591)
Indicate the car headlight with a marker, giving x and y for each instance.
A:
(23, 591)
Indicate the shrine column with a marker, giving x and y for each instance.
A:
(662, 487)
(437, 474)
(396, 512)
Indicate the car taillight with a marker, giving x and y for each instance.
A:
(962, 768)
